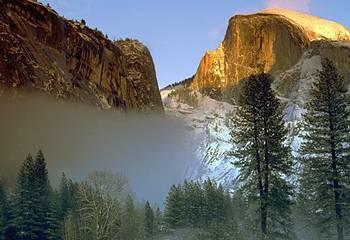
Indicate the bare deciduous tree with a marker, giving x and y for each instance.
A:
(99, 208)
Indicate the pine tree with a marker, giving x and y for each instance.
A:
(45, 215)
(129, 220)
(65, 201)
(24, 210)
(3, 211)
(149, 221)
(158, 220)
(174, 209)
(35, 216)
(210, 203)
(242, 211)
(325, 153)
(198, 204)
(11, 228)
(41, 192)
(194, 201)
(263, 159)
(71, 222)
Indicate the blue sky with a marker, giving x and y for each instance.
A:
(178, 32)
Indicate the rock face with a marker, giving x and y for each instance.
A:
(295, 83)
(211, 70)
(43, 51)
(141, 72)
(270, 41)
(288, 44)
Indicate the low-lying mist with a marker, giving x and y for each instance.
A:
(150, 150)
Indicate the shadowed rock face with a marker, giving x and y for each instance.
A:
(66, 59)
(263, 42)
(141, 72)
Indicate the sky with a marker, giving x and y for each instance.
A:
(179, 32)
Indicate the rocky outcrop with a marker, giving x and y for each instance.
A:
(295, 83)
(140, 71)
(271, 41)
(211, 70)
(336, 51)
(41, 50)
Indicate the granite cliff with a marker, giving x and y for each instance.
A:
(288, 44)
(66, 59)
(272, 41)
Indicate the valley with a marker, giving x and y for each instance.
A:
(254, 145)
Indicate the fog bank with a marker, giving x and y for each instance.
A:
(151, 151)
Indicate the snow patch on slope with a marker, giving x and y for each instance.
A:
(210, 127)
(210, 124)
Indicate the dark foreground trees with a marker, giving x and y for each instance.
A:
(3, 211)
(33, 212)
(325, 154)
(203, 206)
(263, 158)
(149, 220)
(98, 208)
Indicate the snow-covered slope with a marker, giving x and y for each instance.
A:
(210, 127)
(210, 123)
(290, 46)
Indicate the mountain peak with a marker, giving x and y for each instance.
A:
(317, 28)
(272, 40)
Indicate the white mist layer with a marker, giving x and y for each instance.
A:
(149, 150)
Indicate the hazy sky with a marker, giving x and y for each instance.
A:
(178, 32)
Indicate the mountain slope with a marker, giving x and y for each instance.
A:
(269, 41)
(209, 127)
(255, 43)
(67, 59)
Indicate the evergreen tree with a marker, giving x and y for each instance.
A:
(34, 212)
(71, 225)
(24, 211)
(41, 199)
(63, 202)
(194, 202)
(174, 207)
(11, 228)
(242, 216)
(263, 159)
(157, 220)
(65, 198)
(149, 221)
(129, 220)
(325, 153)
(3, 211)
(45, 212)
(210, 210)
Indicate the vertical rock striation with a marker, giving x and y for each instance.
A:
(67, 59)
